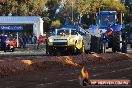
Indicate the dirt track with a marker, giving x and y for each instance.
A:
(61, 71)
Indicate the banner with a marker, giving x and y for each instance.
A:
(11, 27)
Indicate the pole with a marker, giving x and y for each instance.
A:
(17, 40)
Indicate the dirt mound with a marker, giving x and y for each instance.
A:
(116, 56)
(10, 67)
(51, 65)
(95, 58)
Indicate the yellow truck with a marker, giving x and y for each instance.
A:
(65, 40)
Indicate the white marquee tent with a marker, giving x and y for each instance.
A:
(18, 20)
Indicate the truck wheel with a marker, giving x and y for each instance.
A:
(82, 50)
(124, 41)
(4, 50)
(124, 46)
(74, 49)
(12, 49)
(49, 51)
(116, 45)
(95, 44)
(46, 45)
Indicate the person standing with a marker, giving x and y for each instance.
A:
(24, 41)
(34, 39)
(40, 40)
(109, 32)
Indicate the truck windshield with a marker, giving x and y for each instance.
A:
(63, 32)
(104, 20)
(73, 32)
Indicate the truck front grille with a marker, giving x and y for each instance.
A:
(60, 39)
(59, 43)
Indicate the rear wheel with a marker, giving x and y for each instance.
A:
(82, 50)
(47, 47)
(124, 46)
(116, 44)
(74, 49)
(95, 44)
(124, 41)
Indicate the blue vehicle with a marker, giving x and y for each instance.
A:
(107, 33)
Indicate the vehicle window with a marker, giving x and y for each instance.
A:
(60, 32)
(105, 20)
(73, 32)
(51, 33)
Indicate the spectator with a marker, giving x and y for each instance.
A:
(109, 32)
(3, 40)
(34, 39)
(24, 41)
(40, 40)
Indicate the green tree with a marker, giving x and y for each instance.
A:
(22, 7)
(83, 6)
(7, 6)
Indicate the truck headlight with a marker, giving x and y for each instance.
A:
(51, 40)
(71, 40)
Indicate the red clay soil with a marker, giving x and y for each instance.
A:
(31, 63)
(56, 71)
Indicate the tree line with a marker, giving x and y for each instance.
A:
(53, 10)
(22, 7)
(36, 7)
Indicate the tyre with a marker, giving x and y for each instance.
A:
(116, 41)
(124, 42)
(124, 46)
(82, 50)
(49, 50)
(95, 44)
(74, 50)
(4, 50)
(51, 53)
(12, 49)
